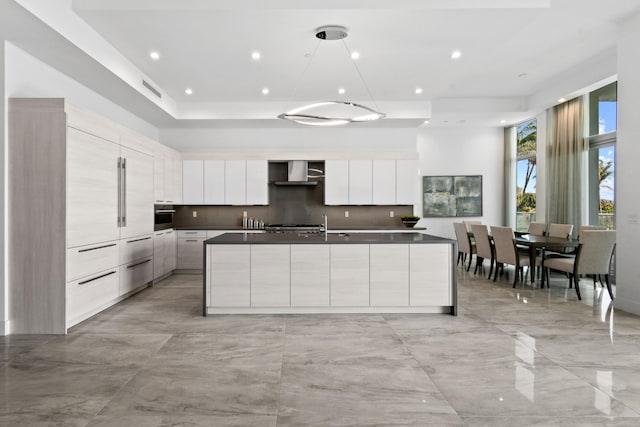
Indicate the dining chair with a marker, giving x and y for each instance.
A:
(560, 230)
(468, 224)
(484, 247)
(537, 228)
(506, 252)
(465, 245)
(592, 257)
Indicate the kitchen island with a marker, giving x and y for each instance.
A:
(329, 273)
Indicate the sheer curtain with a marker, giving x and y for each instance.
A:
(567, 164)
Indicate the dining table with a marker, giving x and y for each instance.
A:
(535, 243)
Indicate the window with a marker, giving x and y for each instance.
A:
(526, 143)
(603, 107)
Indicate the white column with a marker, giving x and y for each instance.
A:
(627, 159)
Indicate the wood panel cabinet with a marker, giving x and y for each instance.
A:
(350, 275)
(158, 254)
(190, 249)
(170, 251)
(164, 252)
(360, 182)
(310, 275)
(389, 275)
(92, 189)
(270, 277)
(138, 193)
(73, 203)
(235, 182)
(230, 286)
(257, 186)
(430, 268)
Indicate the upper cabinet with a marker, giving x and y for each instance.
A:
(225, 182)
(370, 182)
(167, 176)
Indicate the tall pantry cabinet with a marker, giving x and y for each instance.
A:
(80, 214)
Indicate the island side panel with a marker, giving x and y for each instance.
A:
(310, 275)
(430, 275)
(229, 276)
(389, 275)
(349, 275)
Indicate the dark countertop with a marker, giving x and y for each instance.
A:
(330, 238)
(331, 229)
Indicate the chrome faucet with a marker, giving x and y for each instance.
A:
(325, 219)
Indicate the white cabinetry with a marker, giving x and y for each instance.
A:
(406, 182)
(81, 188)
(270, 275)
(170, 251)
(214, 180)
(350, 275)
(336, 182)
(384, 182)
(158, 176)
(225, 182)
(366, 182)
(192, 182)
(257, 188)
(360, 182)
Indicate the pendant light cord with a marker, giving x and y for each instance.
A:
(304, 71)
(360, 74)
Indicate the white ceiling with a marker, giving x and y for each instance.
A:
(514, 54)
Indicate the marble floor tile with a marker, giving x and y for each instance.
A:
(512, 357)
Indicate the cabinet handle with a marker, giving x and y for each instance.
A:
(84, 282)
(169, 201)
(124, 192)
(160, 201)
(190, 232)
(96, 248)
(190, 240)
(158, 234)
(139, 240)
(119, 192)
(139, 263)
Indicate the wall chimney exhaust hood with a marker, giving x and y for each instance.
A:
(298, 174)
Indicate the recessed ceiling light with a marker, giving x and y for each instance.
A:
(562, 100)
(188, 91)
(341, 91)
(503, 121)
(426, 122)
(355, 55)
(418, 91)
(255, 55)
(456, 54)
(265, 91)
(154, 55)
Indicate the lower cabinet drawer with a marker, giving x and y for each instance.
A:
(135, 274)
(85, 260)
(135, 248)
(190, 253)
(88, 295)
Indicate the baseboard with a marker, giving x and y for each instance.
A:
(625, 304)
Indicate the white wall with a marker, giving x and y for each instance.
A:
(627, 160)
(28, 77)
(464, 151)
(299, 139)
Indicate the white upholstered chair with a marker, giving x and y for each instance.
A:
(537, 228)
(592, 257)
(465, 246)
(507, 252)
(484, 248)
(560, 230)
